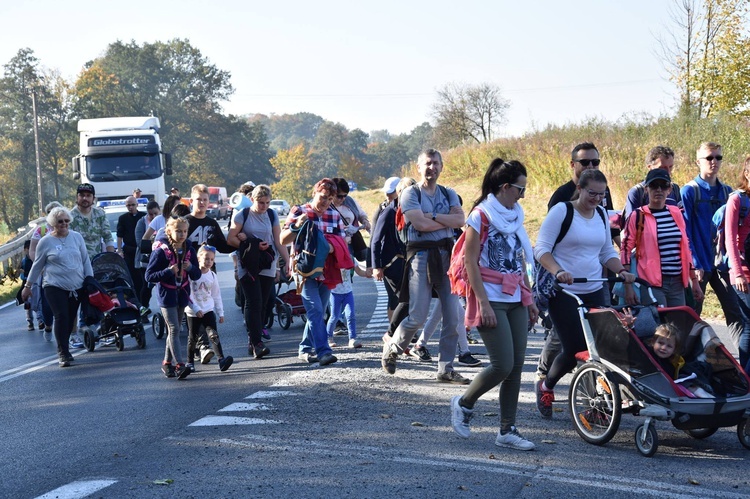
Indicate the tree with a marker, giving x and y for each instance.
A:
(294, 173)
(468, 113)
(707, 55)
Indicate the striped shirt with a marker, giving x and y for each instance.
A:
(669, 238)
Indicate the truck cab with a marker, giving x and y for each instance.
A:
(218, 203)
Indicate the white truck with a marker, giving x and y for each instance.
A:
(118, 155)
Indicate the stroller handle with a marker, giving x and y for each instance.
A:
(611, 279)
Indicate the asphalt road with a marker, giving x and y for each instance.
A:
(113, 426)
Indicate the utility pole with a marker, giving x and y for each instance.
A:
(36, 150)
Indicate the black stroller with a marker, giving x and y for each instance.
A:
(111, 271)
(619, 375)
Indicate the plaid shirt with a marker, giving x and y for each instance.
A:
(328, 223)
(93, 230)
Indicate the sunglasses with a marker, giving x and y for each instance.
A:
(208, 247)
(341, 196)
(587, 162)
(64, 221)
(521, 188)
(659, 185)
(718, 157)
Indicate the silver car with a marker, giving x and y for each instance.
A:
(281, 207)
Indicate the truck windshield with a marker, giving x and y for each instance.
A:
(114, 168)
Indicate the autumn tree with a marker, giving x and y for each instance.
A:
(294, 174)
(468, 113)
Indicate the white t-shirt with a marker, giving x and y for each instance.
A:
(345, 286)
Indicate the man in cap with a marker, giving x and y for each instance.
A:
(137, 193)
(126, 242)
(174, 191)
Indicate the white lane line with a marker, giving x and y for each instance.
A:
(27, 368)
(268, 395)
(230, 421)
(78, 489)
(620, 485)
(379, 320)
(242, 406)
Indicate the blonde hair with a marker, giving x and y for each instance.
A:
(711, 146)
(404, 183)
(172, 223)
(261, 191)
(199, 189)
(670, 332)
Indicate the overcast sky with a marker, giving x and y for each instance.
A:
(377, 65)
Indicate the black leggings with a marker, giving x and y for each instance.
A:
(256, 292)
(563, 310)
(194, 331)
(64, 305)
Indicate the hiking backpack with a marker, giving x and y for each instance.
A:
(721, 259)
(402, 225)
(310, 251)
(457, 274)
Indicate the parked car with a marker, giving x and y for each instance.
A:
(281, 206)
(218, 203)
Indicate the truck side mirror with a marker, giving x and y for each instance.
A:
(75, 163)
(167, 164)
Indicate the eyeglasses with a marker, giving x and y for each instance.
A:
(594, 194)
(586, 162)
(521, 188)
(718, 157)
(64, 221)
(341, 196)
(659, 186)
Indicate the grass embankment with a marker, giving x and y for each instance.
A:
(622, 146)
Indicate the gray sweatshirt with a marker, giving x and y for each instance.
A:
(64, 260)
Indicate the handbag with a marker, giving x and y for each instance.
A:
(359, 247)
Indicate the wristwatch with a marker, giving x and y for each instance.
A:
(434, 217)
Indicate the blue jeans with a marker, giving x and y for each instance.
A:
(315, 296)
(342, 303)
(743, 342)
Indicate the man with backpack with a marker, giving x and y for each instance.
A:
(658, 157)
(432, 212)
(701, 197)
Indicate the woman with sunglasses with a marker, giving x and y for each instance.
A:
(656, 235)
(585, 247)
(63, 258)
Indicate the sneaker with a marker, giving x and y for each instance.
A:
(467, 359)
(460, 417)
(421, 353)
(332, 343)
(452, 377)
(388, 361)
(225, 363)
(307, 357)
(182, 371)
(341, 329)
(264, 334)
(206, 355)
(30, 326)
(544, 399)
(145, 311)
(76, 341)
(514, 440)
(328, 358)
(41, 325)
(470, 340)
(354, 343)
(108, 341)
(47, 334)
(68, 357)
(260, 350)
(168, 370)
(191, 366)
(63, 362)
(387, 337)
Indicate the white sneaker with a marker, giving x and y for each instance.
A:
(76, 341)
(460, 417)
(354, 343)
(206, 355)
(307, 357)
(514, 440)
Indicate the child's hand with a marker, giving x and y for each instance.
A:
(187, 265)
(199, 314)
(627, 317)
(221, 320)
(174, 268)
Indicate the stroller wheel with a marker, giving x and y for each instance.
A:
(119, 342)
(646, 439)
(88, 340)
(701, 433)
(140, 338)
(157, 325)
(284, 314)
(594, 404)
(743, 433)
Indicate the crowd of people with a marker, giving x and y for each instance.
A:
(664, 235)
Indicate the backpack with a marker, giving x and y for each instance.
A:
(457, 274)
(402, 225)
(310, 251)
(544, 282)
(271, 216)
(721, 260)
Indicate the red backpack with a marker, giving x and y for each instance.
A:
(457, 274)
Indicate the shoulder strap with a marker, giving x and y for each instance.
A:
(676, 193)
(641, 192)
(271, 216)
(567, 221)
(600, 211)
(696, 196)
(245, 212)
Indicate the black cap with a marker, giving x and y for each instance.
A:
(657, 174)
(86, 188)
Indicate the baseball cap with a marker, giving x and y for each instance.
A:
(657, 174)
(86, 188)
(390, 185)
(173, 189)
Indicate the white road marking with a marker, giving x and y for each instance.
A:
(619, 485)
(268, 394)
(230, 421)
(77, 489)
(242, 406)
(28, 368)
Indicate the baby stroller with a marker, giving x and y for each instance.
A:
(619, 375)
(111, 271)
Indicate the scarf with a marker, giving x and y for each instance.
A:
(507, 221)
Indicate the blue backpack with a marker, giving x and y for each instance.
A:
(721, 260)
(310, 251)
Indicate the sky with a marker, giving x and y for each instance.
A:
(378, 65)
